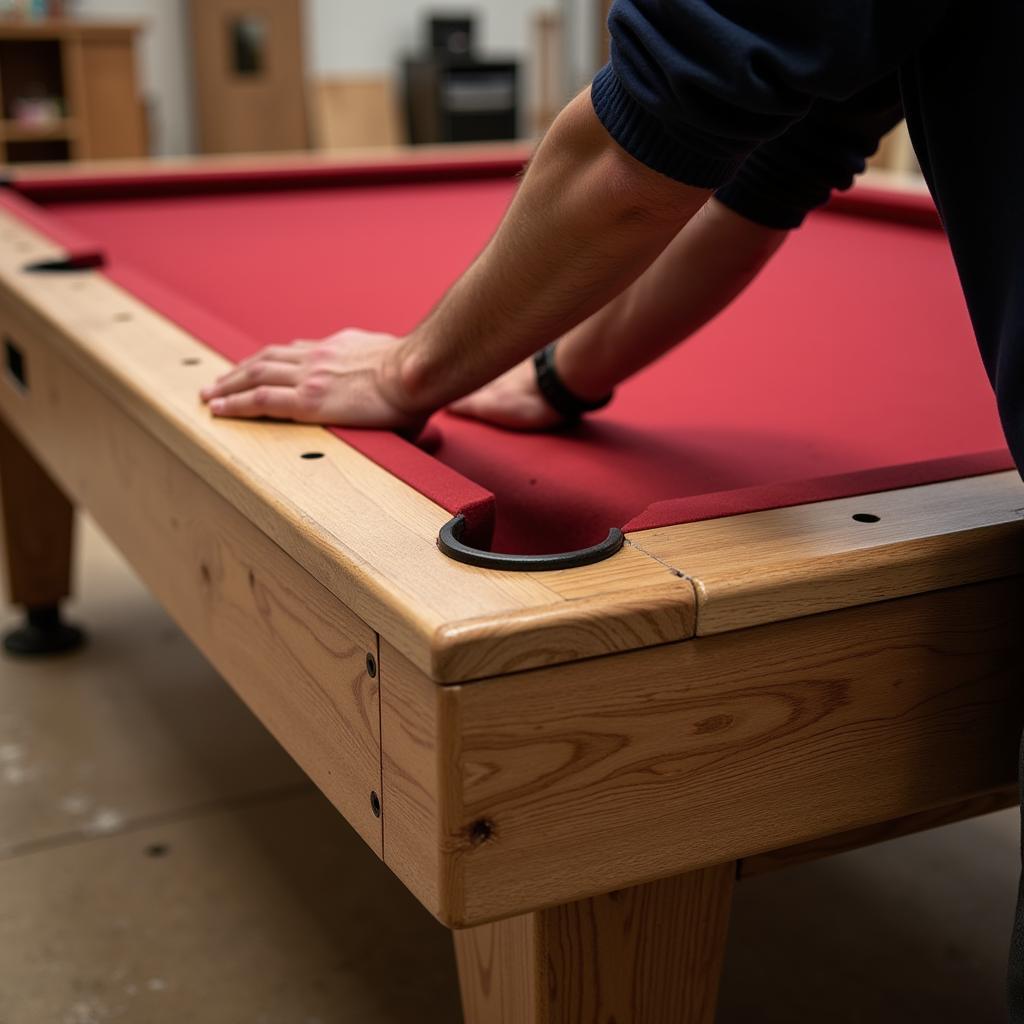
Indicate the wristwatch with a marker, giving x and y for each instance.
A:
(568, 405)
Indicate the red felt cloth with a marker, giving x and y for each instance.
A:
(849, 364)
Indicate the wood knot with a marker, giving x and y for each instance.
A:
(716, 723)
(481, 831)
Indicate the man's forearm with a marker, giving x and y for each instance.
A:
(587, 220)
(705, 267)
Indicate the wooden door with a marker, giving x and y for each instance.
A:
(250, 78)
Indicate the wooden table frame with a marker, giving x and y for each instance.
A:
(571, 767)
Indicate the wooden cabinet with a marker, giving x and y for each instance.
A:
(69, 91)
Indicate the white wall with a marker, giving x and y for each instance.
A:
(342, 37)
(353, 36)
(581, 19)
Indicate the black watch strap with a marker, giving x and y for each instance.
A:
(557, 395)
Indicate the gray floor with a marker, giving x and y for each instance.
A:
(161, 860)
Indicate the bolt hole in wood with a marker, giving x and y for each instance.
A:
(375, 804)
(157, 850)
(191, 361)
(312, 455)
(204, 573)
(371, 666)
(866, 517)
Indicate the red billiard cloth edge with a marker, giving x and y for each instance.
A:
(444, 486)
(78, 250)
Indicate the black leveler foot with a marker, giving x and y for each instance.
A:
(43, 633)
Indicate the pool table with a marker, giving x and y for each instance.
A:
(569, 687)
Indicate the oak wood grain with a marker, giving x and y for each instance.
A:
(293, 652)
(935, 817)
(784, 563)
(417, 788)
(555, 784)
(648, 955)
(502, 969)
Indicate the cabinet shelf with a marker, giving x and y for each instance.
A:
(85, 68)
(15, 131)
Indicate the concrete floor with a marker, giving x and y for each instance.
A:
(162, 861)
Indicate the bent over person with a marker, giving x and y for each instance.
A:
(659, 193)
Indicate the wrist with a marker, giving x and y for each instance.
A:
(569, 405)
(579, 365)
(405, 380)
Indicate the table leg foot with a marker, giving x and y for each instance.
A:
(37, 524)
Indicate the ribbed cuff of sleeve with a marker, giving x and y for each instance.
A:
(766, 210)
(650, 141)
(782, 181)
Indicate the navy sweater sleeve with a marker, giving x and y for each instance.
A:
(785, 178)
(694, 86)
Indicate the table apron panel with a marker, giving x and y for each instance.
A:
(291, 650)
(556, 784)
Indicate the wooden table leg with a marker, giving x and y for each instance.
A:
(37, 527)
(648, 955)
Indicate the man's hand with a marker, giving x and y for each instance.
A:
(586, 221)
(513, 401)
(347, 378)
